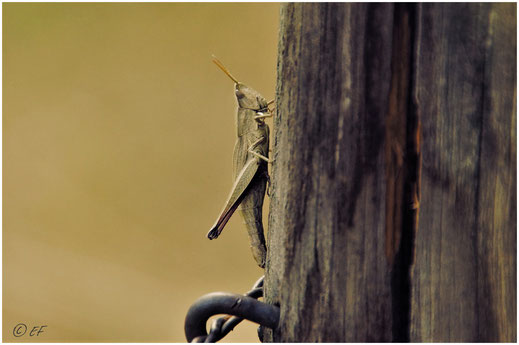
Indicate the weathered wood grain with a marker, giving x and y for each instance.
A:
(326, 266)
(464, 278)
(385, 113)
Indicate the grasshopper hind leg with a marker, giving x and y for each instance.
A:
(256, 236)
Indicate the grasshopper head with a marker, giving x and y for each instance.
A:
(249, 98)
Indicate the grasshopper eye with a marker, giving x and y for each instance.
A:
(239, 94)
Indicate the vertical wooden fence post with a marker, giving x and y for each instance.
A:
(393, 215)
(464, 278)
(327, 267)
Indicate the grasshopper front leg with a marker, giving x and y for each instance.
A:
(262, 116)
(269, 113)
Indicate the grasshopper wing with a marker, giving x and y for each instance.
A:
(243, 180)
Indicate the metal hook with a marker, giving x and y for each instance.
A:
(226, 303)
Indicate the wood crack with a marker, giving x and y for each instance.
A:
(403, 161)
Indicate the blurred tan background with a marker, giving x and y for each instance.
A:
(118, 134)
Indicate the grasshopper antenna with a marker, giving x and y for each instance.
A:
(225, 70)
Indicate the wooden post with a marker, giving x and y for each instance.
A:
(380, 230)
(464, 278)
(327, 267)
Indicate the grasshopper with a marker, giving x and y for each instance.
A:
(250, 161)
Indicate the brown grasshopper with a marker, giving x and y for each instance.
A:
(249, 167)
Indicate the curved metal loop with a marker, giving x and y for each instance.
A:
(227, 303)
(231, 322)
(216, 330)
(200, 339)
(242, 307)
